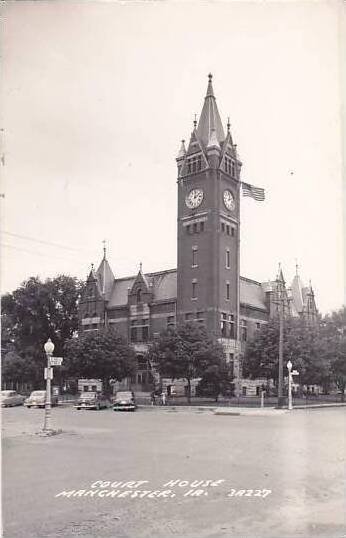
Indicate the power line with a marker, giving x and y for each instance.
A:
(48, 242)
(36, 253)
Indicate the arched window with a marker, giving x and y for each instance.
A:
(139, 295)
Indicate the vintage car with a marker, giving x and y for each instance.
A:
(10, 398)
(91, 400)
(38, 399)
(124, 401)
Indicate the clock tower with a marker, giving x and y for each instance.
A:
(208, 226)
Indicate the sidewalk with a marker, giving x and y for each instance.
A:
(237, 410)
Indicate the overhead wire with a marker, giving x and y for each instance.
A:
(36, 253)
(50, 243)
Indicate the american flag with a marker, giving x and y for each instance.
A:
(257, 193)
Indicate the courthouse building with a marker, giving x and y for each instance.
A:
(206, 287)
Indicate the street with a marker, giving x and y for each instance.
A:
(162, 472)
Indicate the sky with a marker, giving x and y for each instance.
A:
(96, 97)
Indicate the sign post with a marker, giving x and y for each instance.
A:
(48, 375)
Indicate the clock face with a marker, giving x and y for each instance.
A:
(194, 198)
(228, 200)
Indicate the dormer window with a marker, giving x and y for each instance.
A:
(194, 164)
(230, 166)
(139, 296)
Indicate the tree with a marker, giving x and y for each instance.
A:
(185, 352)
(33, 313)
(303, 345)
(217, 379)
(20, 369)
(99, 354)
(334, 333)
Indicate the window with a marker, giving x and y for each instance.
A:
(134, 334)
(222, 226)
(142, 362)
(194, 164)
(194, 257)
(171, 321)
(232, 232)
(228, 229)
(230, 166)
(223, 324)
(145, 333)
(231, 363)
(139, 330)
(188, 316)
(188, 229)
(228, 259)
(231, 326)
(243, 391)
(194, 289)
(139, 295)
(201, 226)
(243, 330)
(200, 317)
(258, 326)
(195, 230)
(227, 291)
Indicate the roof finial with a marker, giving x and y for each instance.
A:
(104, 249)
(210, 91)
(228, 125)
(195, 122)
(92, 266)
(140, 267)
(297, 267)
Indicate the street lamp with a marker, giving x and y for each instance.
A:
(49, 348)
(289, 368)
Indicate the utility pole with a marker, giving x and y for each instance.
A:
(281, 355)
(280, 300)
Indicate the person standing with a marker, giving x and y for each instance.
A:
(153, 398)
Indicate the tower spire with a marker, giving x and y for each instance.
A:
(210, 91)
(210, 117)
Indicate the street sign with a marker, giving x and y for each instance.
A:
(294, 372)
(51, 373)
(56, 361)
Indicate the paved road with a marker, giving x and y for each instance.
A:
(167, 473)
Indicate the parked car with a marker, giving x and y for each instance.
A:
(124, 401)
(38, 399)
(92, 400)
(10, 398)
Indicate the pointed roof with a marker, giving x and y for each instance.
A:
(297, 287)
(182, 150)
(92, 275)
(210, 117)
(105, 278)
(104, 275)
